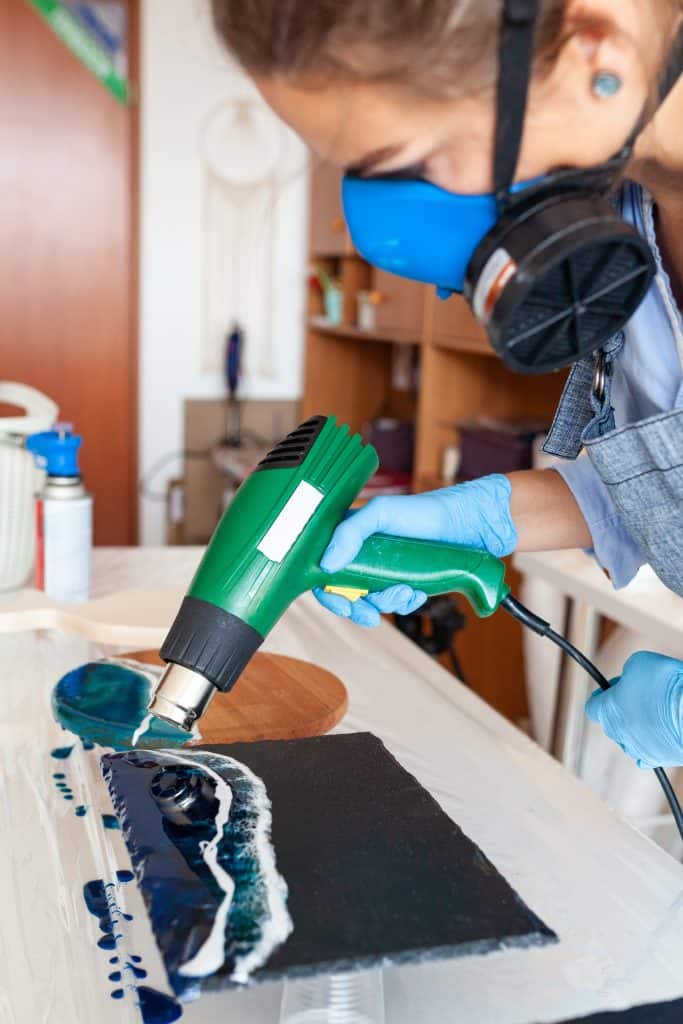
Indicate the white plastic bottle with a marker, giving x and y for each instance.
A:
(63, 518)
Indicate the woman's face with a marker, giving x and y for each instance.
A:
(376, 129)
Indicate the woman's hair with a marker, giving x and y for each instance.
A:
(436, 47)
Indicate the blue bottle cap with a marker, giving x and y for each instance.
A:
(56, 451)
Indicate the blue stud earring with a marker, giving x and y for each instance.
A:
(606, 84)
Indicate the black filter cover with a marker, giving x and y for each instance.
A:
(581, 273)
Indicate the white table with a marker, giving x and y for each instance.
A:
(615, 899)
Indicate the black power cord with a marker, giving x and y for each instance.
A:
(543, 628)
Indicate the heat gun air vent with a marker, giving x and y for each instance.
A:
(293, 449)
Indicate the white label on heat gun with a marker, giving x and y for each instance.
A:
(291, 521)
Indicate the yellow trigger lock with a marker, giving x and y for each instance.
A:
(350, 593)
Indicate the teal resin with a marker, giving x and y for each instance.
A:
(105, 702)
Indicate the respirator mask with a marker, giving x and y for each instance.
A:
(550, 269)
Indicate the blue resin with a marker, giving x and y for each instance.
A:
(81, 811)
(58, 775)
(61, 753)
(180, 892)
(157, 1008)
(105, 702)
(110, 821)
(95, 896)
(138, 972)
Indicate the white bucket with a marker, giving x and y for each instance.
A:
(19, 480)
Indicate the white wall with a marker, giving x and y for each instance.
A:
(185, 74)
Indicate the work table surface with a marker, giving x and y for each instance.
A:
(614, 899)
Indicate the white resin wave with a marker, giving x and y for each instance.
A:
(274, 930)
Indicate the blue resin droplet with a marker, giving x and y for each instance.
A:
(87, 744)
(157, 1008)
(61, 753)
(110, 821)
(139, 972)
(58, 775)
(81, 811)
(113, 959)
(117, 993)
(105, 702)
(115, 976)
(136, 959)
(68, 796)
(125, 876)
(95, 896)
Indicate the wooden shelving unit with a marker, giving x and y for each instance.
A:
(348, 373)
(392, 336)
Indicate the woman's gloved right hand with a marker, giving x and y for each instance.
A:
(475, 514)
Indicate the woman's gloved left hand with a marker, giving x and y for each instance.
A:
(643, 710)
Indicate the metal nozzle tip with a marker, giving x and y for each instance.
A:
(181, 697)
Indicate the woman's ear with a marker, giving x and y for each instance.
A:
(610, 51)
(586, 101)
(598, 83)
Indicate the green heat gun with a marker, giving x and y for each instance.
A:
(266, 551)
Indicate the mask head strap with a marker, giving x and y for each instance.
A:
(673, 67)
(515, 63)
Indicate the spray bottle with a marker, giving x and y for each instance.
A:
(63, 517)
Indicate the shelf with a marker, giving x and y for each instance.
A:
(385, 337)
(453, 343)
(335, 254)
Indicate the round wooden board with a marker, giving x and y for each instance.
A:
(276, 698)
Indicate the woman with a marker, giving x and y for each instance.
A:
(408, 88)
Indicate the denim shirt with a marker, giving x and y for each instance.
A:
(647, 380)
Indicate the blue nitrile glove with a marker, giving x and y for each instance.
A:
(475, 514)
(643, 711)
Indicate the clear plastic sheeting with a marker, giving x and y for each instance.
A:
(614, 898)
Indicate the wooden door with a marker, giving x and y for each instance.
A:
(67, 253)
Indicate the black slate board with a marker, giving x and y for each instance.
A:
(653, 1013)
(376, 871)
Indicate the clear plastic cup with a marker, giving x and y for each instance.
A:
(356, 997)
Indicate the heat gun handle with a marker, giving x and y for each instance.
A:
(433, 567)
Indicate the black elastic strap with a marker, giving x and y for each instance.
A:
(673, 68)
(514, 72)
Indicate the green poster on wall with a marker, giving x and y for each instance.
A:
(74, 33)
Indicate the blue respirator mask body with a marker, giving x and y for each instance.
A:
(550, 269)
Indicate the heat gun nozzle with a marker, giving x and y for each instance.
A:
(181, 697)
